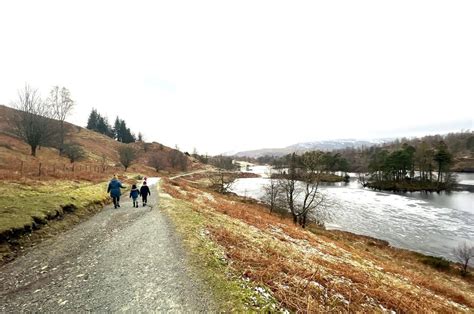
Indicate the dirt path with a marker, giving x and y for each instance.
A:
(189, 173)
(120, 259)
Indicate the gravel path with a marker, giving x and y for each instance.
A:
(125, 259)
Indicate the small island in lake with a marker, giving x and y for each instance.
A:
(411, 168)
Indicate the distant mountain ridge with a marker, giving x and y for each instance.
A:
(327, 145)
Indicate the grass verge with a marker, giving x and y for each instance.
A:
(42, 207)
(233, 292)
(315, 270)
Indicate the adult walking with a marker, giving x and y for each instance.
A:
(114, 188)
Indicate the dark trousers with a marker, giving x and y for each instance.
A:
(144, 198)
(116, 200)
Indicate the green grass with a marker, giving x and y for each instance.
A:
(232, 292)
(22, 206)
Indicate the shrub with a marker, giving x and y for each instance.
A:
(436, 262)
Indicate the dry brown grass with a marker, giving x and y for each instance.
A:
(326, 271)
(13, 151)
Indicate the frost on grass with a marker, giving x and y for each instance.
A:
(303, 271)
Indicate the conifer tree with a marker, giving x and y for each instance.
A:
(92, 121)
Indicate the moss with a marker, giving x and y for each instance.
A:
(24, 205)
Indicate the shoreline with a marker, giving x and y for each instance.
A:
(387, 243)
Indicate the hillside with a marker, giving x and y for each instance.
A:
(101, 153)
(328, 145)
(358, 152)
(50, 193)
(313, 270)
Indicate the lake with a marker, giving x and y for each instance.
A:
(429, 223)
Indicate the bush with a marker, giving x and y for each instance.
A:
(74, 152)
(436, 262)
(127, 155)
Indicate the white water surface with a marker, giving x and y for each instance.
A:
(429, 223)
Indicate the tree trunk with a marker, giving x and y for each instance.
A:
(61, 139)
(464, 268)
(303, 221)
(33, 150)
(439, 172)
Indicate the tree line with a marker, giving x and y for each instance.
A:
(411, 163)
(459, 145)
(218, 161)
(119, 131)
(328, 163)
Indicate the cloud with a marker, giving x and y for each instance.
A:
(221, 76)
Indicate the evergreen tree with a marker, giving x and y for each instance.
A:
(128, 137)
(92, 121)
(102, 125)
(443, 158)
(122, 130)
(117, 133)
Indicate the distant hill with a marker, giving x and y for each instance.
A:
(308, 146)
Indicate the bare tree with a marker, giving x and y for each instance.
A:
(300, 186)
(32, 122)
(157, 162)
(272, 195)
(74, 152)
(127, 155)
(178, 160)
(222, 181)
(463, 254)
(61, 106)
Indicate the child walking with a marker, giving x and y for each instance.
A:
(134, 195)
(144, 192)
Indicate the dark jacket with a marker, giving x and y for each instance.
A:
(114, 188)
(134, 193)
(145, 190)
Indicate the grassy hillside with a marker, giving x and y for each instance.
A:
(101, 152)
(37, 190)
(306, 270)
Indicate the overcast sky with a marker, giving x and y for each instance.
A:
(236, 75)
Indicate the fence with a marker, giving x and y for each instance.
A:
(17, 169)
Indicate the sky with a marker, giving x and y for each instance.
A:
(224, 76)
